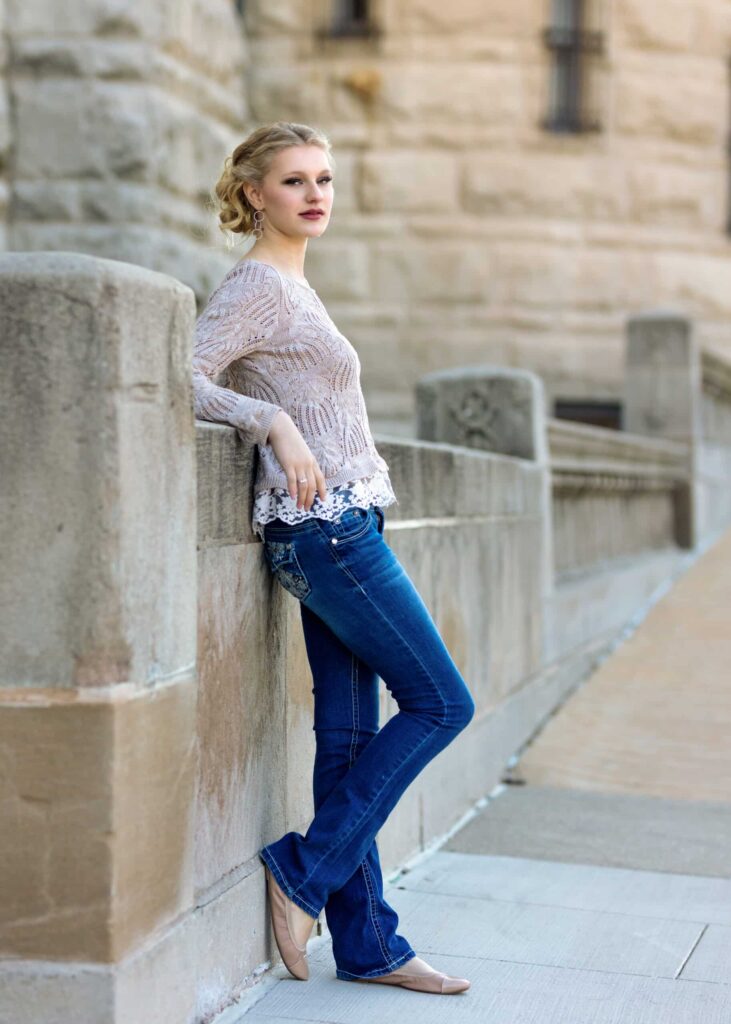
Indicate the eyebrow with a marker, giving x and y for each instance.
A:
(326, 171)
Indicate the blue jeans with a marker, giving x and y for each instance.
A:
(362, 619)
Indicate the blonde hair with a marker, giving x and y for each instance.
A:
(249, 164)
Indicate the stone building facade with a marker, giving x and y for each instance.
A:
(479, 217)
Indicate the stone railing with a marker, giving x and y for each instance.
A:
(614, 494)
(679, 392)
(714, 449)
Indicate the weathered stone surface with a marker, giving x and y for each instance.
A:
(486, 407)
(99, 408)
(98, 794)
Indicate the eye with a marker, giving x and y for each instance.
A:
(291, 181)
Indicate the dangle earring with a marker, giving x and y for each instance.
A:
(258, 221)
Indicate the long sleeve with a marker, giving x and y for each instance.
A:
(239, 316)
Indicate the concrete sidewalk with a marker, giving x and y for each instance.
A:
(542, 941)
(597, 888)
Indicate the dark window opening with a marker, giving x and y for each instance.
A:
(595, 413)
(352, 18)
(574, 48)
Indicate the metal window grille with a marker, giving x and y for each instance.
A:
(573, 47)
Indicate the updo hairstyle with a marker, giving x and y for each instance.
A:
(249, 163)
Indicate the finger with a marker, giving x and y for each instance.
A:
(321, 485)
(292, 482)
(303, 483)
(311, 488)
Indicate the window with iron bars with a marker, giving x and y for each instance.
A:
(574, 48)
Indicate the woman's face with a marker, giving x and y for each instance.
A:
(299, 180)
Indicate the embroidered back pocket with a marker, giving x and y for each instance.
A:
(282, 559)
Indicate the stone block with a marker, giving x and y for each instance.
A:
(99, 793)
(102, 17)
(470, 16)
(556, 185)
(487, 407)
(414, 181)
(662, 380)
(442, 273)
(244, 652)
(453, 95)
(99, 499)
(684, 114)
(660, 25)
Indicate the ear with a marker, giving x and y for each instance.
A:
(253, 194)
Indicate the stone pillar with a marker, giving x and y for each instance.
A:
(497, 409)
(662, 391)
(97, 634)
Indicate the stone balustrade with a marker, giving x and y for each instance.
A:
(614, 494)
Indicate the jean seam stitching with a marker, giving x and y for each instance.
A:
(373, 915)
(355, 709)
(344, 838)
(401, 637)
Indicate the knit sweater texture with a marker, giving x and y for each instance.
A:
(265, 342)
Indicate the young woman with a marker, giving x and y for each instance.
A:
(293, 388)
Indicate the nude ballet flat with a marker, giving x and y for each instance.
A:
(418, 975)
(292, 927)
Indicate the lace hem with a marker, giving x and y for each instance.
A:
(276, 503)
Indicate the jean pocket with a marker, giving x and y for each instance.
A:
(350, 525)
(284, 564)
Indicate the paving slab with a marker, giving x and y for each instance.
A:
(542, 942)
(468, 926)
(711, 958)
(585, 887)
(501, 993)
(615, 829)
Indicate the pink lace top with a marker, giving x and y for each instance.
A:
(265, 342)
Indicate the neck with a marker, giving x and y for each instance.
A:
(289, 260)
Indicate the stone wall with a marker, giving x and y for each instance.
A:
(463, 231)
(117, 121)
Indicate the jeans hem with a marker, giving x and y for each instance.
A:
(379, 971)
(285, 886)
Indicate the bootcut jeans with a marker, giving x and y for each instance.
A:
(362, 619)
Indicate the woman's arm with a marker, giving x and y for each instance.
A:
(238, 317)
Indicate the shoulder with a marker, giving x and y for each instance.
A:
(250, 275)
(249, 284)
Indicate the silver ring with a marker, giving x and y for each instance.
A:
(303, 480)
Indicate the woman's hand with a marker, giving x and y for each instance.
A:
(297, 461)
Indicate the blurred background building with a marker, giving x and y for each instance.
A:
(513, 179)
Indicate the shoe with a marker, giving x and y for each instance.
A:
(292, 927)
(418, 975)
